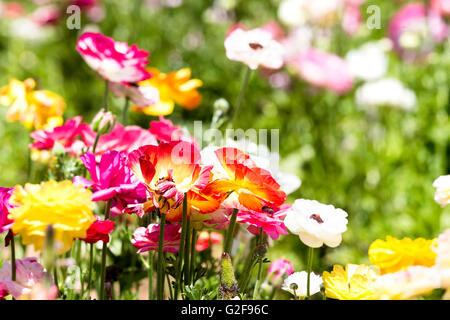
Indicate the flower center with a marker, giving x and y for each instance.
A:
(317, 218)
(267, 209)
(255, 46)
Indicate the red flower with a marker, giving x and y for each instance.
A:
(99, 231)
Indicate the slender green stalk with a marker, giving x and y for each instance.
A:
(260, 263)
(97, 137)
(192, 267)
(230, 233)
(125, 111)
(91, 264)
(240, 96)
(181, 248)
(105, 95)
(104, 250)
(248, 266)
(161, 257)
(150, 275)
(186, 252)
(310, 260)
(13, 258)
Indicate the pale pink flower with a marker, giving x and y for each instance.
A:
(255, 48)
(115, 61)
(145, 239)
(141, 96)
(441, 6)
(46, 15)
(280, 267)
(29, 273)
(324, 69)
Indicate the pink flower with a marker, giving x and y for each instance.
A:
(270, 220)
(165, 131)
(145, 239)
(99, 231)
(407, 28)
(324, 69)
(280, 267)
(123, 139)
(115, 61)
(141, 96)
(112, 179)
(441, 6)
(351, 21)
(28, 274)
(66, 135)
(254, 48)
(5, 223)
(46, 15)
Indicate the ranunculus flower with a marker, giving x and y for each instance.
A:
(324, 70)
(141, 96)
(35, 109)
(355, 282)
(164, 130)
(61, 204)
(316, 223)
(254, 48)
(114, 61)
(5, 206)
(175, 87)
(280, 267)
(112, 179)
(29, 273)
(146, 239)
(99, 231)
(442, 194)
(300, 279)
(394, 254)
(205, 238)
(270, 220)
(169, 171)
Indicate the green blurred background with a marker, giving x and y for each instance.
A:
(378, 169)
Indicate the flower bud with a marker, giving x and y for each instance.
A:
(103, 122)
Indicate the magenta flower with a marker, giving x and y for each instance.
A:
(66, 135)
(28, 274)
(5, 223)
(165, 131)
(112, 179)
(271, 221)
(254, 48)
(145, 239)
(115, 61)
(280, 267)
(323, 69)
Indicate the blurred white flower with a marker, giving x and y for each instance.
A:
(385, 92)
(291, 12)
(316, 223)
(28, 29)
(369, 62)
(296, 283)
(320, 12)
(442, 194)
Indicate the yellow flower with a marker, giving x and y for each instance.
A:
(353, 283)
(35, 109)
(66, 207)
(174, 87)
(394, 254)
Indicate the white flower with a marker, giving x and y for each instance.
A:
(369, 62)
(442, 194)
(385, 92)
(254, 48)
(316, 223)
(298, 282)
(292, 13)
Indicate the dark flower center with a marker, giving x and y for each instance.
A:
(255, 46)
(317, 218)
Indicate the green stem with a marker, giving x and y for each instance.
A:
(125, 111)
(192, 267)
(260, 264)
(91, 264)
(150, 275)
(104, 250)
(182, 244)
(161, 257)
(97, 137)
(240, 96)
(186, 253)
(13, 258)
(310, 260)
(230, 233)
(105, 96)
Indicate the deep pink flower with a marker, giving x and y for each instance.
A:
(5, 223)
(66, 135)
(123, 139)
(28, 274)
(412, 19)
(165, 131)
(270, 220)
(324, 69)
(280, 267)
(115, 61)
(99, 231)
(112, 179)
(145, 239)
